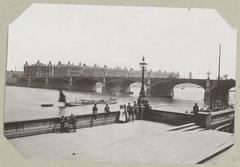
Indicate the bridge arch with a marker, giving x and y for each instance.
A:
(200, 84)
(135, 87)
(121, 86)
(99, 87)
(85, 85)
(165, 88)
(189, 91)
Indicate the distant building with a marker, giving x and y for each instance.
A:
(63, 70)
(38, 70)
(11, 76)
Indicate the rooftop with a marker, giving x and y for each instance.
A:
(139, 141)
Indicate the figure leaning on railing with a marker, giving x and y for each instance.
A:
(195, 109)
(95, 113)
(67, 124)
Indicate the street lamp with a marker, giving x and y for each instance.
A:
(141, 100)
(142, 65)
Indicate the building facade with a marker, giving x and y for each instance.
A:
(38, 70)
(64, 70)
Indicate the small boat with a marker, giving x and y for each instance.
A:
(72, 104)
(46, 105)
(111, 102)
(89, 102)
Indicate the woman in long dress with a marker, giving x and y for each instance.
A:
(126, 113)
(122, 117)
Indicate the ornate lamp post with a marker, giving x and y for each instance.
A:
(141, 100)
(142, 65)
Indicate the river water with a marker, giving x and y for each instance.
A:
(23, 103)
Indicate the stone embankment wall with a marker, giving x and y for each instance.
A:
(41, 126)
(176, 118)
(220, 120)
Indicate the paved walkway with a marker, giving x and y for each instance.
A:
(141, 141)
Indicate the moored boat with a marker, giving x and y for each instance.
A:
(46, 105)
(89, 102)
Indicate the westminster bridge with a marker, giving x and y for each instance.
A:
(158, 87)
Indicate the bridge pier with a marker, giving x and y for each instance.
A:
(29, 82)
(104, 85)
(208, 94)
(70, 83)
(148, 89)
(220, 96)
(46, 82)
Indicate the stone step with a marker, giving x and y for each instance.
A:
(192, 128)
(200, 129)
(182, 127)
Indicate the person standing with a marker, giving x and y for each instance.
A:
(73, 122)
(195, 112)
(126, 113)
(95, 112)
(135, 109)
(195, 109)
(122, 116)
(130, 112)
(62, 124)
(107, 109)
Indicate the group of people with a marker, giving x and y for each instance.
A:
(70, 121)
(95, 112)
(128, 113)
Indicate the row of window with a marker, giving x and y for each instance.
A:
(42, 72)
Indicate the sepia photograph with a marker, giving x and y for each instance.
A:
(120, 84)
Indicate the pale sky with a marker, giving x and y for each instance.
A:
(172, 39)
